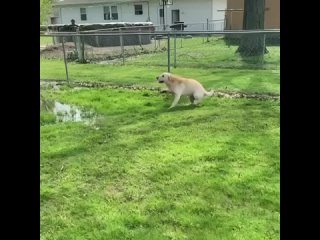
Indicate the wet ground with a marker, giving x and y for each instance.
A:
(78, 85)
(67, 113)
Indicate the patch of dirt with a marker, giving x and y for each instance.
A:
(244, 95)
(56, 50)
(95, 54)
(77, 85)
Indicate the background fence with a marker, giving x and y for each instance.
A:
(166, 49)
(208, 25)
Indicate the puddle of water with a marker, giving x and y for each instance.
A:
(53, 85)
(68, 113)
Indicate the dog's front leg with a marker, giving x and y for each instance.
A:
(175, 101)
(165, 91)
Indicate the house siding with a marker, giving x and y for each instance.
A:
(193, 13)
(95, 13)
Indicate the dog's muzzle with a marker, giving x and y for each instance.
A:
(160, 81)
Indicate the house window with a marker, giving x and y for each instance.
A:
(161, 13)
(83, 14)
(138, 10)
(110, 13)
(106, 13)
(161, 16)
(114, 12)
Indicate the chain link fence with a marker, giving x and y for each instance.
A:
(169, 49)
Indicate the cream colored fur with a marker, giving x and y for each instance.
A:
(183, 86)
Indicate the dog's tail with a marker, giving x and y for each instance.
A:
(209, 93)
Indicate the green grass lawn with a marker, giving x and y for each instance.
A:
(214, 64)
(246, 80)
(145, 172)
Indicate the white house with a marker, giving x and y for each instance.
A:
(194, 14)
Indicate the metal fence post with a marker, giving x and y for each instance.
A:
(175, 51)
(65, 60)
(168, 52)
(140, 42)
(203, 31)
(263, 49)
(121, 44)
(207, 29)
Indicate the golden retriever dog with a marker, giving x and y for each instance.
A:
(181, 86)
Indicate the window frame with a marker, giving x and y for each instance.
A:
(83, 15)
(106, 14)
(110, 14)
(139, 11)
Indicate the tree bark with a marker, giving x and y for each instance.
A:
(253, 19)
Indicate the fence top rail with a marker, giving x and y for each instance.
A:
(70, 34)
(209, 21)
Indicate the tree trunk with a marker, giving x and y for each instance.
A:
(253, 19)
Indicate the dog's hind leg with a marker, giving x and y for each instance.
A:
(197, 97)
(191, 99)
(197, 100)
(175, 101)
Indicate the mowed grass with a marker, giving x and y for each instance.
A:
(245, 80)
(215, 53)
(214, 64)
(146, 172)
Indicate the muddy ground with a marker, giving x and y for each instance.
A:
(45, 84)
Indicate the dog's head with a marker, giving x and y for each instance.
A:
(163, 78)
